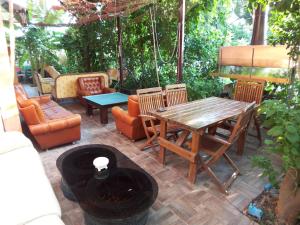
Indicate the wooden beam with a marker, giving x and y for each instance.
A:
(181, 24)
(120, 50)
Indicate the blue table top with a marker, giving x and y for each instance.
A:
(108, 99)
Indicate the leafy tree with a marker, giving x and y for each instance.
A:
(39, 46)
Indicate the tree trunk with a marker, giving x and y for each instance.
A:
(258, 33)
(288, 206)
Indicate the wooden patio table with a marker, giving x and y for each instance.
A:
(194, 117)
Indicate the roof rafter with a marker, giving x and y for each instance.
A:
(89, 11)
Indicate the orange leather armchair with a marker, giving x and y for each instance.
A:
(91, 86)
(128, 122)
(49, 123)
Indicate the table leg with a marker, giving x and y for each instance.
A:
(103, 115)
(195, 149)
(89, 110)
(163, 131)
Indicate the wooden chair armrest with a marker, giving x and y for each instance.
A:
(217, 139)
(148, 117)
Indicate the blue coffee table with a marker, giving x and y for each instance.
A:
(103, 102)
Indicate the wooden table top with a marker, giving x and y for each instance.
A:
(199, 114)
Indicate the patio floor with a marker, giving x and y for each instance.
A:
(179, 202)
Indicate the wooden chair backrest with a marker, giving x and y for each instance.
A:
(249, 90)
(176, 94)
(37, 78)
(150, 99)
(242, 123)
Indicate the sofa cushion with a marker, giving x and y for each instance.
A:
(37, 108)
(30, 116)
(56, 112)
(133, 106)
(25, 191)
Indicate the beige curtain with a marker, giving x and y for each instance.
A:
(9, 110)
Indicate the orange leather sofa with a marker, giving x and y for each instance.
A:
(91, 86)
(49, 123)
(128, 122)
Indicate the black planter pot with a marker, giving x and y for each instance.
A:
(137, 219)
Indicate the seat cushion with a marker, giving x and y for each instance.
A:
(25, 191)
(49, 104)
(37, 108)
(57, 112)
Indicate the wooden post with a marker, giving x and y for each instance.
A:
(181, 23)
(120, 50)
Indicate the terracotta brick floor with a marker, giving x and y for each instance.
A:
(179, 202)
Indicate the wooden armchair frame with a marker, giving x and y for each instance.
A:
(150, 99)
(216, 147)
(249, 91)
(176, 94)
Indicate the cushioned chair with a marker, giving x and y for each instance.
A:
(44, 85)
(49, 123)
(52, 72)
(91, 86)
(128, 122)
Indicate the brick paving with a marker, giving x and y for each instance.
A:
(179, 202)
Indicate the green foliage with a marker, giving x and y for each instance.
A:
(268, 171)
(284, 19)
(93, 47)
(90, 48)
(39, 47)
(240, 24)
(284, 122)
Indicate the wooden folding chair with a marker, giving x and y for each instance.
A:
(176, 94)
(216, 147)
(151, 99)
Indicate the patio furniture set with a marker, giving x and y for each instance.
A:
(190, 129)
(121, 192)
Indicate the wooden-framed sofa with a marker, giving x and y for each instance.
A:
(50, 124)
(65, 86)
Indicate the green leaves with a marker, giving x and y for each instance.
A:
(266, 165)
(283, 120)
(275, 131)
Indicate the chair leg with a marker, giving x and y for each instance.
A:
(222, 186)
(149, 143)
(217, 181)
(241, 143)
(257, 125)
(231, 163)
